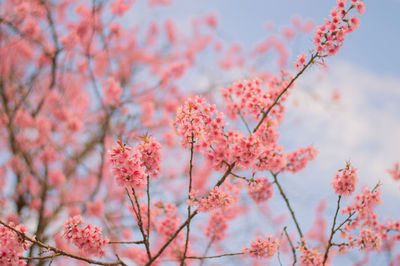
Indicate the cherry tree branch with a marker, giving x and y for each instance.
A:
(126, 242)
(287, 204)
(139, 218)
(292, 246)
(189, 207)
(58, 251)
(313, 56)
(333, 231)
(216, 256)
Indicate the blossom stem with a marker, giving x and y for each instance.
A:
(313, 56)
(216, 256)
(292, 246)
(275, 175)
(333, 231)
(189, 207)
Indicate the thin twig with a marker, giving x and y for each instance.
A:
(313, 56)
(216, 256)
(126, 242)
(287, 204)
(148, 210)
(291, 245)
(140, 224)
(333, 231)
(189, 207)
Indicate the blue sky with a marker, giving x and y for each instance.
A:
(374, 45)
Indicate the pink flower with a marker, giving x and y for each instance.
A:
(395, 171)
(119, 7)
(310, 257)
(216, 226)
(112, 92)
(300, 62)
(260, 248)
(150, 151)
(128, 166)
(56, 178)
(88, 239)
(329, 37)
(95, 208)
(217, 198)
(260, 190)
(345, 181)
(12, 246)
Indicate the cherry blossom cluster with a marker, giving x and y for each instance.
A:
(309, 256)
(260, 190)
(12, 245)
(217, 198)
(298, 159)
(198, 123)
(217, 226)
(88, 239)
(112, 92)
(345, 180)
(127, 166)
(262, 248)
(247, 97)
(395, 171)
(167, 225)
(198, 120)
(132, 165)
(330, 36)
(301, 61)
(365, 220)
(150, 150)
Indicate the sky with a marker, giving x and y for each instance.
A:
(374, 45)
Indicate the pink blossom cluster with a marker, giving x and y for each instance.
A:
(329, 37)
(119, 7)
(150, 150)
(345, 180)
(247, 97)
(88, 239)
(198, 120)
(260, 190)
(301, 61)
(112, 92)
(369, 239)
(127, 166)
(395, 171)
(215, 199)
(216, 226)
(168, 225)
(309, 256)
(262, 248)
(298, 159)
(364, 203)
(365, 221)
(198, 123)
(12, 245)
(390, 226)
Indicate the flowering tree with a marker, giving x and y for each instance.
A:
(95, 115)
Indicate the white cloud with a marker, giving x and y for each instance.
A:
(363, 127)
